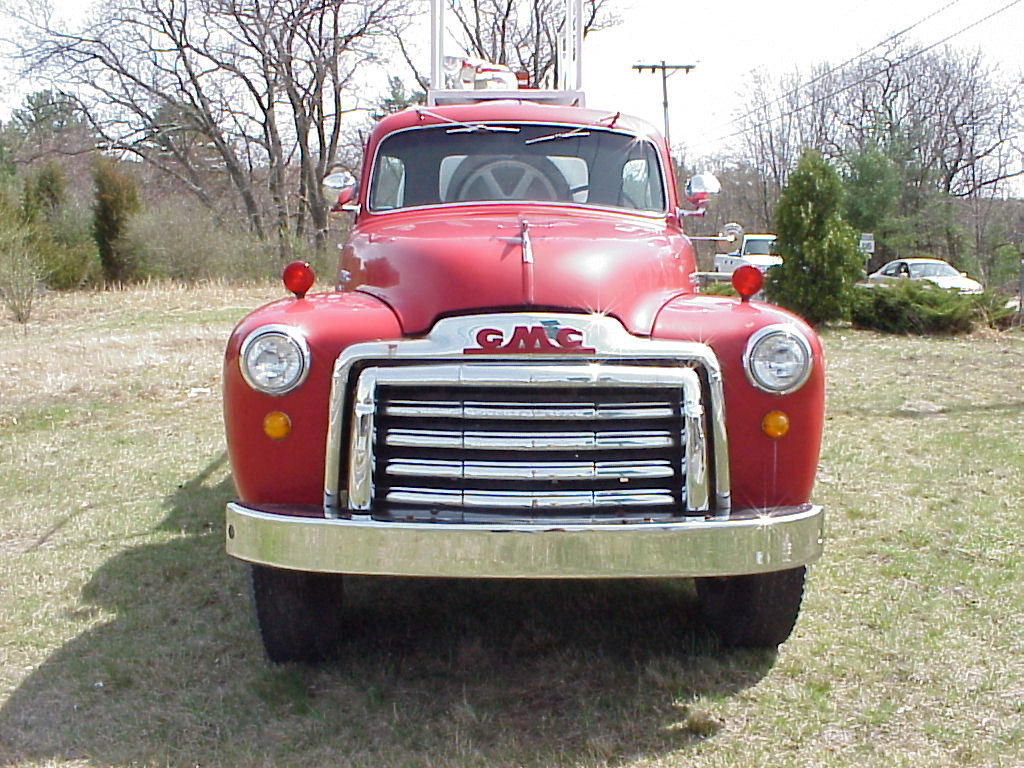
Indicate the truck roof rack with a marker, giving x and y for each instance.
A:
(477, 77)
(446, 97)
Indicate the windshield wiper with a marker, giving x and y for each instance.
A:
(562, 135)
(477, 127)
(467, 127)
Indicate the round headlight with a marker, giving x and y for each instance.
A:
(777, 359)
(274, 359)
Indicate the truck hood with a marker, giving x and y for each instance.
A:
(426, 266)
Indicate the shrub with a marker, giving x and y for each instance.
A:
(116, 200)
(718, 289)
(991, 310)
(917, 307)
(185, 243)
(820, 259)
(70, 258)
(45, 192)
(19, 272)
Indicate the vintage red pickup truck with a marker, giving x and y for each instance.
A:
(514, 377)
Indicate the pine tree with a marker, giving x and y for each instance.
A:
(819, 249)
(116, 200)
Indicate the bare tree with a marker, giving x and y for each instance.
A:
(522, 34)
(235, 88)
(947, 122)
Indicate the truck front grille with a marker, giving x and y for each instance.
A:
(460, 443)
(527, 449)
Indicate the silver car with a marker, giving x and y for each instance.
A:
(934, 271)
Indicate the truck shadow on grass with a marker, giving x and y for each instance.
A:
(434, 672)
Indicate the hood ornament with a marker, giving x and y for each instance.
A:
(522, 240)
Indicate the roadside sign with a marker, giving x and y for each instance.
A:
(867, 242)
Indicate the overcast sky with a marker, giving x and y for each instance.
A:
(728, 38)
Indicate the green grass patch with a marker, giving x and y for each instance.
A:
(126, 636)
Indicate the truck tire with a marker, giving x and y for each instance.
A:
(753, 611)
(298, 613)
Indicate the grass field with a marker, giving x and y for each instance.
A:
(126, 637)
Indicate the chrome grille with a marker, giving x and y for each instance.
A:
(452, 441)
(526, 449)
(619, 359)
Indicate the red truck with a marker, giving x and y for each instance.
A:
(514, 377)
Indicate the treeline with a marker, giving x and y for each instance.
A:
(216, 122)
(72, 215)
(928, 143)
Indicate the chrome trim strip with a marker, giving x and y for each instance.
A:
(360, 477)
(763, 540)
(697, 494)
(529, 470)
(531, 441)
(526, 500)
(450, 336)
(526, 411)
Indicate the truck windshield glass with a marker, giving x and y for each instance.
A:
(541, 163)
(759, 247)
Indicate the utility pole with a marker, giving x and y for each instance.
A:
(666, 70)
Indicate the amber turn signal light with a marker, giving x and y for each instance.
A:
(298, 278)
(775, 424)
(277, 425)
(747, 281)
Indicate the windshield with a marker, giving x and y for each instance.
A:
(543, 163)
(933, 269)
(761, 246)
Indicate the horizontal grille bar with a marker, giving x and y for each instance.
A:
(518, 441)
(523, 500)
(514, 470)
(528, 411)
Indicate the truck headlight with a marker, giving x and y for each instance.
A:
(274, 359)
(777, 359)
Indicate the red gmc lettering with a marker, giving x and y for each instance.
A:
(533, 339)
(570, 338)
(489, 339)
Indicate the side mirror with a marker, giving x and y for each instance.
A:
(698, 189)
(342, 184)
(348, 200)
(702, 186)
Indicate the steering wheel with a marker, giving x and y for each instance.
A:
(511, 179)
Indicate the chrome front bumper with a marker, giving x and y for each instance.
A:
(749, 541)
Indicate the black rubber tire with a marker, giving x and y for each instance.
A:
(754, 611)
(298, 613)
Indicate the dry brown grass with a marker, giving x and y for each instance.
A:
(125, 635)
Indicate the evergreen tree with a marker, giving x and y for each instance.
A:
(116, 200)
(397, 99)
(45, 192)
(819, 249)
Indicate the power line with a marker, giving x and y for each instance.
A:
(854, 84)
(849, 61)
(666, 70)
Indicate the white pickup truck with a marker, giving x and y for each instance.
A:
(756, 250)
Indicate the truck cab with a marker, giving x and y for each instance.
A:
(513, 377)
(755, 251)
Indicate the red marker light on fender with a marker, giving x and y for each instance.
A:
(747, 281)
(298, 278)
